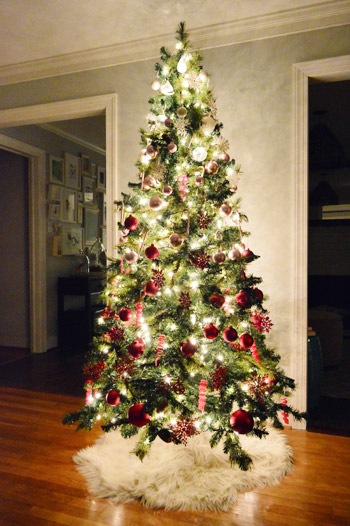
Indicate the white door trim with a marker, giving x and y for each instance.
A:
(42, 113)
(327, 70)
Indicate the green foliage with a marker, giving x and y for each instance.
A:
(109, 359)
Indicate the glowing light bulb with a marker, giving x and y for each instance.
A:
(197, 424)
(178, 45)
(194, 285)
(113, 421)
(100, 321)
(208, 419)
(123, 392)
(192, 374)
(220, 357)
(167, 380)
(97, 395)
(98, 417)
(229, 171)
(173, 422)
(143, 200)
(165, 70)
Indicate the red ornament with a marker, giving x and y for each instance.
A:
(242, 421)
(92, 371)
(137, 417)
(136, 348)
(151, 288)
(131, 223)
(185, 300)
(217, 300)
(151, 252)
(116, 334)
(242, 300)
(188, 348)
(211, 331)
(248, 255)
(158, 277)
(125, 314)
(230, 334)
(178, 387)
(183, 429)
(201, 260)
(218, 378)
(113, 398)
(246, 340)
(126, 367)
(261, 321)
(258, 294)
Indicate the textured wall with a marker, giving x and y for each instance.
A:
(253, 85)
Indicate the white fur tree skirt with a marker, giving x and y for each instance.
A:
(177, 477)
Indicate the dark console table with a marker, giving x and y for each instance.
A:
(76, 316)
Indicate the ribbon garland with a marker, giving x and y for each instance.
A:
(202, 396)
(255, 353)
(138, 315)
(160, 347)
(284, 414)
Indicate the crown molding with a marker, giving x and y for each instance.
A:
(291, 21)
(73, 138)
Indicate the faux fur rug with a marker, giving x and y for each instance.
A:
(176, 477)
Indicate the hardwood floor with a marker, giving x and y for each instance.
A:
(39, 484)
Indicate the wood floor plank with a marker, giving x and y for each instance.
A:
(41, 486)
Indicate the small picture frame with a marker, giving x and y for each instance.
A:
(56, 169)
(85, 164)
(93, 167)
(91, 225)
(54, 211)
(72, 171)
(80, 213)
(54, 192)
(88, 191)
(69, 205)
(101, 178)
(72, 240)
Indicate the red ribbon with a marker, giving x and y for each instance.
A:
(284, 414)
(202, 396)
(138, 315)
(161, 342)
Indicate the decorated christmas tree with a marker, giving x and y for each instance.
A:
(180, 347)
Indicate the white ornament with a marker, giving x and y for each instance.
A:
(155, 85)
(181, 66)
(143, 157)
(208, 125)
(199, 154)
(193, 80)
(166, 89)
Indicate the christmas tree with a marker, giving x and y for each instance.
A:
(180, 346)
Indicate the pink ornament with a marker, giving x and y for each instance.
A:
(234, 254)
(219, 257)
(167, 190)
(199, 180)
(151, 151)
(224, 157)
(212, 167)
(148, 182)
(131, 257)
(183, 188)
(172, 147)
(202, 395)
(225, 210)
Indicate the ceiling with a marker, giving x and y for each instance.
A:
(37, 29)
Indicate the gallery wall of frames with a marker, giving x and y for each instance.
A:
(76, 207)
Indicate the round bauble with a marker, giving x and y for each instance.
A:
(168, 122)
(155, 85)
(137, 417)
(208, 125)
(225, 210)
(113, 398)
(229, 334)
(199, 154)
(166, 435)
(136, 348)
(175, 240)
(211, 331)
(188, 348)
(151, 151)
(172, 147)
(234, 188)
(151, 252)
(246, 340)
(242, 300)
(248, 255)
(131, 257)
(199, 180)
(148, 182)
(217, 300)
(125, 314)
(224, 157)
(131, 223)
(181, 112)
(167, 190)
(212, 167)
(234, 254)
(151, 288)
(242, 421)
(156, 202)
(166, 88)
(258, 294)
(219, 257)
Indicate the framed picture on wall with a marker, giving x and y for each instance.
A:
(88, 190)
(85, 164)
(54, 211)
(56, 169)
(69, 205)
(72, 240)
(91, 225)
(93, 169)
(101, 178)
(80, 213)
(72, 171)
(54, 192)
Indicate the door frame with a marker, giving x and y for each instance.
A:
(324, 70)
(43, 113)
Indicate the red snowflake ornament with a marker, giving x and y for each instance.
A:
(201, 260)
(183, 429)
(185, 300)
(158, 277)
(203, 221)
(116, 334)
(126, 367)
(179, 387)
(261, 321)
(218, 378)
(92, 371)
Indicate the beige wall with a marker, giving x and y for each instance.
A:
(253, 85)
